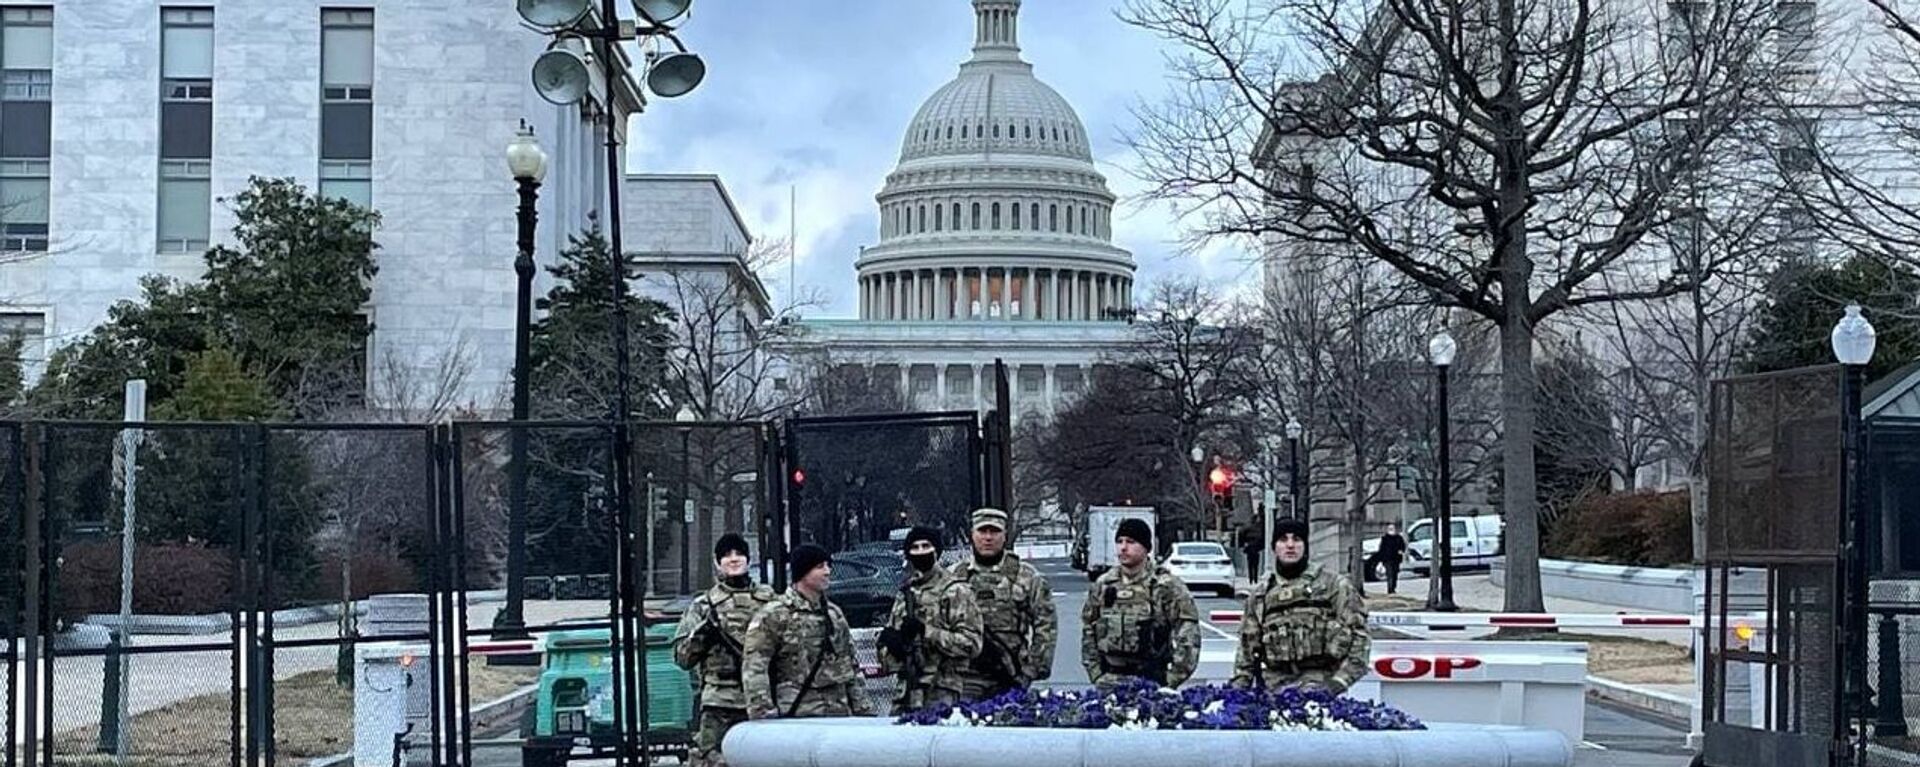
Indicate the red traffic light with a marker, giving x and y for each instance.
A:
(799, 477)
(1220, 478)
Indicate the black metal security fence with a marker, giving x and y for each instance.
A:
(265, 594)
(204, 594)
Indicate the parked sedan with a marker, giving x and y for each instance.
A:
(1203, 566)
(864, 587)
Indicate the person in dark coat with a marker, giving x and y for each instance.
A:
(1393, 549)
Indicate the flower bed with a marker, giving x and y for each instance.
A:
(1146, 706)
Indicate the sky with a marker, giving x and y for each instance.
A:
(816, 96)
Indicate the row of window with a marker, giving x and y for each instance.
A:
(1689, 24)
(1066, 134)
(186, 93)
(1071, 218)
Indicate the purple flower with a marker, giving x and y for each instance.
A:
(1139, 704)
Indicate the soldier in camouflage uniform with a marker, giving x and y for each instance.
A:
(1139, 620)
(799, 652)
(1306, 625)
(1016, 605)
(933, 631)
(707, 643)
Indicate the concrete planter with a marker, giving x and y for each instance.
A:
(879, 743)
(1672, 590)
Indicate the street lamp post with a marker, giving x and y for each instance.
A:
(685, 416)
(1293, 469)
(1200, 494)
(561, 75)
(1441, 349)
(528, 163)
(1853, 340)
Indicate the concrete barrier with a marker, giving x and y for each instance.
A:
(1537, 685)
(878, 743)
(1653, 589)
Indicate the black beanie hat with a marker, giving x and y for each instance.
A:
(918, 534)
(805, 558)
(1283, 527)
(729, 543)
(1137, 529)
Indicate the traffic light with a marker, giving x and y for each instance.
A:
(799, 477)
(1221, 478)
(656, 502)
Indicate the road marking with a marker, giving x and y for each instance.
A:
(1592, 745)
(1216, 630)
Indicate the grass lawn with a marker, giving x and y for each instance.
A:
(313, 718)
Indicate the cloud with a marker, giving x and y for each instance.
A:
(814, 97)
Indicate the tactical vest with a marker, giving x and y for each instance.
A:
(1300, 622)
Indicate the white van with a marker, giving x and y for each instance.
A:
(1477, 541)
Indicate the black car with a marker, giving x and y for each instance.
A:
(864, 586)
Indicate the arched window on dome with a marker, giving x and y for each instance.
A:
(963, 131)
(1010, 130)
(996, 130)
(1016, 217)
(956, 217)
(922, 226)
(1083, 220)
(1056, 133)
(976, 216)
(1053, 217)
(1036, 216)
(949, 133)
(937, 217)
(1029, 131)
(996, 216)
(979, 130)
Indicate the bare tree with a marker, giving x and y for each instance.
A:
(1501, 154)
(719, 363)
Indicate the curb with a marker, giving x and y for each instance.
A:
(1662, 704)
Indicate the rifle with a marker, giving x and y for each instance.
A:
(727, 642)
(999, 662)
(1156, 651)
(912, 664)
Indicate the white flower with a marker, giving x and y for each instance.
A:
(1215, 707)
(1190, 715)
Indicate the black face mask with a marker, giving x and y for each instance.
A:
(923, 562)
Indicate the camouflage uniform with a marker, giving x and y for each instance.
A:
(1306, 630)
(1016, 605)
(716, 660)
(783, 643)
(946, 607)
(1111, 626)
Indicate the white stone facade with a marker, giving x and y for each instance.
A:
(450, 86)
(995, 242)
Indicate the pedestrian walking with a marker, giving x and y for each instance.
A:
(1393, 550)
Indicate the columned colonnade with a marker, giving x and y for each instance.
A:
(957, 293)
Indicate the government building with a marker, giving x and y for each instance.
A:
(995, 242)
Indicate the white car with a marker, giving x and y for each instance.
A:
(1477, 542)
(1203, 566)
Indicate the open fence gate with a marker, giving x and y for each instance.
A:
(852, 480)
(1783, 683)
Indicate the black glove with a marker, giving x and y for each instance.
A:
(894, 642)
(710, 632)
(912, 627)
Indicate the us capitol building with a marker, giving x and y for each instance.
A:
(995, 242)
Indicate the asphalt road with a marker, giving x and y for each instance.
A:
(1616, 737)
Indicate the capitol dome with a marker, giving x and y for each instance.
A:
(995, 210)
